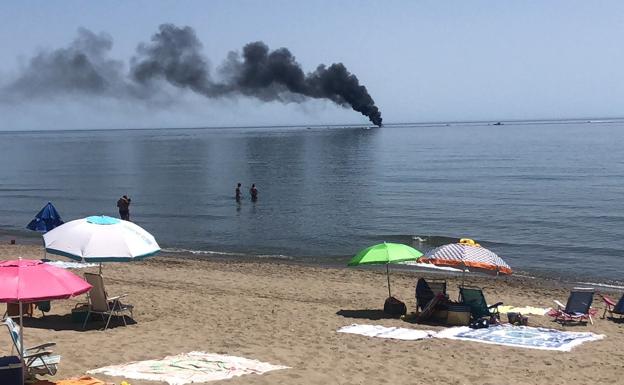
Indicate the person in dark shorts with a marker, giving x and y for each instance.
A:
(124, 207)
(238, 193)
(253, 191)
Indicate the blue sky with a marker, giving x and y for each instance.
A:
(420, 60)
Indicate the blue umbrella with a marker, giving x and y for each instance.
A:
(47, 219)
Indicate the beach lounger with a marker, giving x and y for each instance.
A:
(613, 307)
(101, 303)
(426, 291)
(577, 309)
(38, 359)
(479, 309)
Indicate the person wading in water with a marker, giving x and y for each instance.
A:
(253, 191)
(124, 207)
(238, 193)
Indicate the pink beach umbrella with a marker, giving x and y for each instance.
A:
(25, 281)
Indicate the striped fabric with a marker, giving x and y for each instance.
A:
(460, 255)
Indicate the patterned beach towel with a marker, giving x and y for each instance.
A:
(521, 337)
(188, 368)
(387, 332)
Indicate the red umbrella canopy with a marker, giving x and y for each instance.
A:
(31, 281)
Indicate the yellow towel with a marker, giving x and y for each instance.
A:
(84, 380)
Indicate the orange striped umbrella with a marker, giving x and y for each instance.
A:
(467, 255)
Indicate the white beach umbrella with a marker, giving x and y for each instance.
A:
(100, 239)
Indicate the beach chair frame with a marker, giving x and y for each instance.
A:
(577, 308)
(612, 307)
(100, 303)
(428, 290)
(37, 359)
(479, 308)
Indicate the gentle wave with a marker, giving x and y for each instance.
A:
(176, 250)
(605, 285)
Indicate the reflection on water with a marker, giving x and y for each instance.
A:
(545, 197)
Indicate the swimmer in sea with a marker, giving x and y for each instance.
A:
(253, 191)
(238, 193)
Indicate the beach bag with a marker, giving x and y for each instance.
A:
(393, 306)
(517, 319)
(44, 306)
(482, 323)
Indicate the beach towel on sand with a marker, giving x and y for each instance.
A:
(188, 368)
(509, 335)
(69, 265)
(387, 332)
(521, 337)
(84, 380)
(525, 310)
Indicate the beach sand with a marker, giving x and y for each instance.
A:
(288, 314)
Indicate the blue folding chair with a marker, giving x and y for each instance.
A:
(613, 307)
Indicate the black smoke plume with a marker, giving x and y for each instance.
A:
(81, 68)
(266, 74)
(174, 56)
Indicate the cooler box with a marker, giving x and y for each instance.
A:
(458, 315)
(13, 309)
(11, 372)
(440, 315)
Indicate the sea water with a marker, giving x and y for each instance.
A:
(546, 196)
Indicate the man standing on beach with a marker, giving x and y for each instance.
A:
(124, 207)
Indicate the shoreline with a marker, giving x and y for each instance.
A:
(399, 270)
(30, 238)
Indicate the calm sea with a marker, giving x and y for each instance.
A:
(547, 197)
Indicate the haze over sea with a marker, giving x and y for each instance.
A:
(546, 196)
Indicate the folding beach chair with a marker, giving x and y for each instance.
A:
(479, 309)
(100, 303)
(428, 290)
(577, 309)
(38, 359)
(612, 307)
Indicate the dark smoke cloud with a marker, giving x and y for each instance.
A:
(81, 68)
(265, 74)
(173, 56)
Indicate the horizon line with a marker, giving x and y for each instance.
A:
(345, 125)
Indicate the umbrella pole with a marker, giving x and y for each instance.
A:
(21, 352)
(388, 275)
(100, 268)
(462, 284)
(464, 273)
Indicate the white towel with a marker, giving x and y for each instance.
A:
(387, 332)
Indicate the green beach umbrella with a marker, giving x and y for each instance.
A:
(385, 253)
